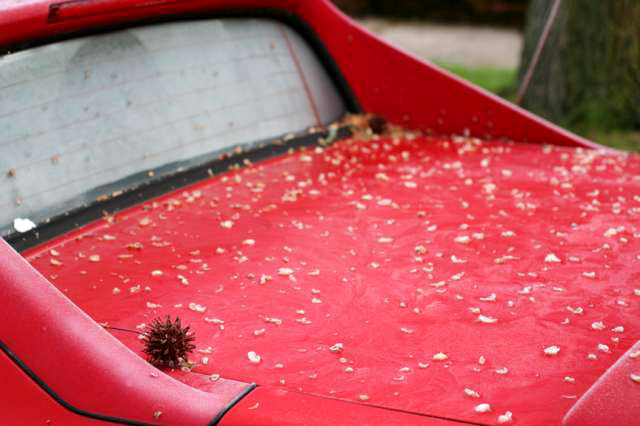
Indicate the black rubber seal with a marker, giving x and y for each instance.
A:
(72, 219)
(57, 397)
(413, 413)
(231, 404)
(151, 188)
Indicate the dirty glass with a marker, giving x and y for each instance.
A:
(91, 115)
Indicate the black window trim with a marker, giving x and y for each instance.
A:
(77, 217)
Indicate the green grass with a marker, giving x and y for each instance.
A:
(626, 140)
(502, 82)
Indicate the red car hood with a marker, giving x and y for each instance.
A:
(422, 274)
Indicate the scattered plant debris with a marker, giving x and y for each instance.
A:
(168, 343)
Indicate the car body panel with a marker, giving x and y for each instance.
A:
(414, 323)
(267, 405)
(384, 79)
(72, 357)
(397, 250)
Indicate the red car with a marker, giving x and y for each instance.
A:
(352, 235)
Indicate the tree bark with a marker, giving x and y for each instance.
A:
(588, 76)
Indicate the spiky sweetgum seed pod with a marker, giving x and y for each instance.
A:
(166, 343)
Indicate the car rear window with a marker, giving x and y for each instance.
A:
(93, 115)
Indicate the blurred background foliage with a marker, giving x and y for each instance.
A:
(588, 77)
(498, 12)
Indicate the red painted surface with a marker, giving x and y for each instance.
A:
(384, 79)
(613, 398)
(411, 91)
(268, 405)
(24, 403)
(489, 216)
(83, 364)
(391, 307)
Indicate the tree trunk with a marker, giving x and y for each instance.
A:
(588, 76)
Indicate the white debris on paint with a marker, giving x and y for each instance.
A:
(197, 307)
(552, 258)
(486, 319)
(338, 347)
(551, 350)
(505, 418)
(490, 298)
(227, 224)
(471, 393)
(482, 408)
(253, 357)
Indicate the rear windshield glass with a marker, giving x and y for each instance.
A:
(93, 115)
